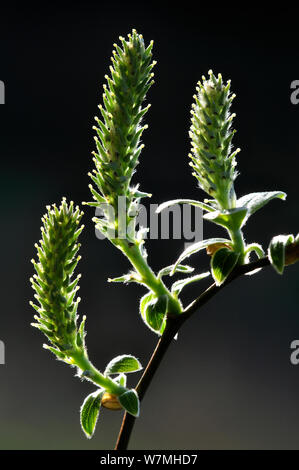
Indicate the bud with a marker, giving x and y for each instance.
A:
(110, 401)
(211, 136)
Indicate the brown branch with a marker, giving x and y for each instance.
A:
(173, 325)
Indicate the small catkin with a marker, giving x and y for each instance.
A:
(54, 285)
(119, 130)
(211, 135)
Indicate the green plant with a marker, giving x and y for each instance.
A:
(118, 144)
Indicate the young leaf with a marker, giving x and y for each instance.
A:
(258, 249)
(89, 412)
(130, 277)
(123, 364)
(195, 247)
(254, 201)
(231, 219)
(276, 251)
(181, 268)
(155, 312)
(167, 204)
(179, 285)
(121, 379)
(222, 263)
(139, 194)
(55, 351)
(130, 402)
(144, 301)
(292, 258)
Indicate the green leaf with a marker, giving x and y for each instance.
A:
(140, 194)
(81, 333)
(231, 219)
(123, 364)
(276, 251)
(130, 277)
(121, 379)
(89, 412)
(167, 204)
(254, 201)
(195, 247)
(130, 402)
(180, 268)
(144, 301)
(60, 355)
(124, 278)
(258, 249)
(222, 263)
(155, 311)
(179, 285)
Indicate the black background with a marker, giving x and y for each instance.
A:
(227, 382)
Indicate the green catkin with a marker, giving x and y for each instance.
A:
(212, 160)
(56, 290)
(54, 285)
(120, 128)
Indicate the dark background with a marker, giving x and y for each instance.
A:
(227, 382)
